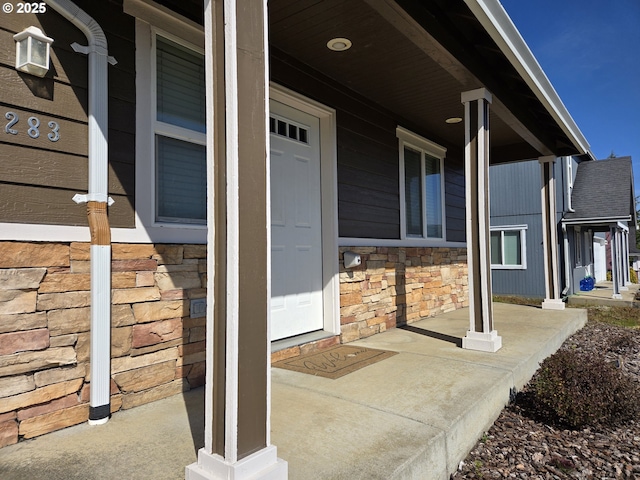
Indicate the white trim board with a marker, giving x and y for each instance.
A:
(397, 242)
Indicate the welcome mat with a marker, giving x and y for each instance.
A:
(334, 362)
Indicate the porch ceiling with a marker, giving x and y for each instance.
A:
(418, 75)
(414, 58)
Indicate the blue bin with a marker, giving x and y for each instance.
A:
(587, 284)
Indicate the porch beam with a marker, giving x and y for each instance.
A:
(417, 23)
(481, 334)
(552, 300)
(237, 403)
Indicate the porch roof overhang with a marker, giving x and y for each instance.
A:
(597, 221)
(504, 33)
(414, 58)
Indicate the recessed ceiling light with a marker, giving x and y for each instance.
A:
(339, 44)
(453, 120)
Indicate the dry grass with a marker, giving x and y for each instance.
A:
(622, 316)
(529, 302)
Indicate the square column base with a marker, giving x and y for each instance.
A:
(552, 304)
(262, 465)
(616, 296)
(624, 289)
(484, 342)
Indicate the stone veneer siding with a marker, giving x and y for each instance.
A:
(394, 286)
(157, 350)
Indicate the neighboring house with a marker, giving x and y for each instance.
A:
(375, 118)
(517, 254)
(603, 200)
(591, 197)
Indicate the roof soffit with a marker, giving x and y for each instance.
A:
(450, 39)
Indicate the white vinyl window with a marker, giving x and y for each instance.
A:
(577, 240)
(179, 134)
(509, 247)
(422, 207)
(588, 247)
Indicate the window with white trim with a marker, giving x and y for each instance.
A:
(577, 240)
(179, 133)
(588, 247)
(422, 206)
(509, 247)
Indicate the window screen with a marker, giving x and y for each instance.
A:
(412, 189)
(433, 192)
(182, 180)
(180, 86)
(180, 140)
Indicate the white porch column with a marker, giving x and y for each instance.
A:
(552, 299)
(615, 261)
(620, 248)
(481, 334)
(238, 382)
(626, 279)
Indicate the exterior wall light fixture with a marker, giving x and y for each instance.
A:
(32, 51)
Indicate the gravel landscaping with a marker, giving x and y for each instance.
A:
(520, 446)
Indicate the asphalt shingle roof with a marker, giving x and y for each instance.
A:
(603, 189)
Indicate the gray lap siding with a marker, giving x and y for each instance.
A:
(368, 156)
(39, 177)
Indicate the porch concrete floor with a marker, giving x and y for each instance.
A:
(414, 415)
(602, 294)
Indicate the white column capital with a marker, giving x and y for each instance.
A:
(547, 159)
(477, 94)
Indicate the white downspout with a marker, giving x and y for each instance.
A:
(97, 201)
(567, 264)
(568, 170)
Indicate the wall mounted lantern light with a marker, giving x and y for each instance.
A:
(32, 51)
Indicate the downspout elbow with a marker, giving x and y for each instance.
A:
(91, 29)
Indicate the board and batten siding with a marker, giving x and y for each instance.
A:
(39, 177)
(515, 200)
(368, 157)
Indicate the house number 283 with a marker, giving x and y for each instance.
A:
(33, 124)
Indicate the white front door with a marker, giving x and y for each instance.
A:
(296, 223)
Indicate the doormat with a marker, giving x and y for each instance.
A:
(334, 362)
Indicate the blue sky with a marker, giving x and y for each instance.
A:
(590, 50)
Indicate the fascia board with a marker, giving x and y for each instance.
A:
(493, 17)
(595, 220)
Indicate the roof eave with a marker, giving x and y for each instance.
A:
(595, 220)
(493, 17)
